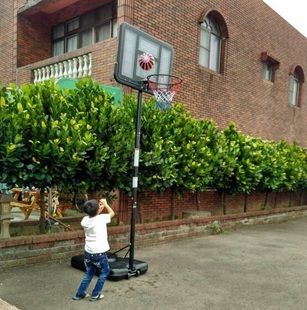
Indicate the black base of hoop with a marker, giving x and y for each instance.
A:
(145, 87)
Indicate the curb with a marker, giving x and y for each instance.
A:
(5, 306)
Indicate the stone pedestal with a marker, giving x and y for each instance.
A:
(5, 215)
(5, 228)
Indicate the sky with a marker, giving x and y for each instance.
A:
(293, 11)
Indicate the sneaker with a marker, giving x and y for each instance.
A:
(100, 296)
(75, 297)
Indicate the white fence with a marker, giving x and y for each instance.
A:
(76, 67)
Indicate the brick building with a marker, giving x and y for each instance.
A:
(240, 60)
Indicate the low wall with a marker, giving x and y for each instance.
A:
(22, 251)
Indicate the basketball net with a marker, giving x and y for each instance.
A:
(164, 87)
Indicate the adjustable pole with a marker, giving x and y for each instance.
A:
(135, 181)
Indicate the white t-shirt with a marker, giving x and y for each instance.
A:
(96, 235)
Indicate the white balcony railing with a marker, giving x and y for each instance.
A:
(77, 67)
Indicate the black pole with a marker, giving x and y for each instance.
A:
(135, 179)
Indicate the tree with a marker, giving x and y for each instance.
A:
(293, 162)
(176, 151)
(108, 161)
(227, 154)
(272, 174)
(42, 141)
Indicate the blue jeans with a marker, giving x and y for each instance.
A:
(94, 262)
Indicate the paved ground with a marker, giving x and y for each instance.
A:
(256, 268)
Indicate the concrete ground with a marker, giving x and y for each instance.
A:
(253, 268)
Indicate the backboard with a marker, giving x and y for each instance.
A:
(140, 55)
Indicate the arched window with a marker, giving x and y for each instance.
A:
(296, 83)
(294, 89)
(210, 44)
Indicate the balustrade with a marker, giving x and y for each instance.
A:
(77, 67)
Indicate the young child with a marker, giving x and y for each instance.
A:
(96, 246)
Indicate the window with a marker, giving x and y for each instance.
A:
(86, 38)
(72, 43)
(267, 71)
(91, 27)
(296, 84)
(73, 25)
(58, 31)
(294, 89)
(270, 65)
(210, 44)
(103, 32)
(58, 48)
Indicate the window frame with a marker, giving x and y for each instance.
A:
(294, 89)
(296, 81)
(220, 20)
(84, 23)
(210, 28)
(269, 61)
(267, 72)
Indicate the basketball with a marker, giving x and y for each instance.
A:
(146, 61)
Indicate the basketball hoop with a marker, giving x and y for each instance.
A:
(164, 87)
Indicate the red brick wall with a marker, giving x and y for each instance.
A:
(152, 207)
(7, 41)
(104, 56)
(37, 29)
(27, 250)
